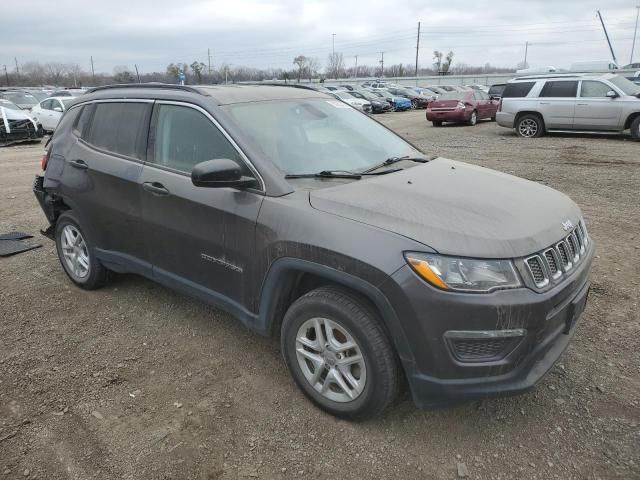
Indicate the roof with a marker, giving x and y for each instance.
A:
(546, 76)
(226, 94)
(221, 94)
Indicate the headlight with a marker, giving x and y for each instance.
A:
(464, 274)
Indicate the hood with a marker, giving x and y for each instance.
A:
(456, 209)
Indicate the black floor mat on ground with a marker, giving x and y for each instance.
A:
(14, 236)
(11, 247)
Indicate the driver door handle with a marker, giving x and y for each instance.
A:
(156, 188)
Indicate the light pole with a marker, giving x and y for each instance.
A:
(333, 43)
(635, 33)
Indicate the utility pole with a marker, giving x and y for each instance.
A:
(635, 33)
(333, 43)
(137, 73)
(356, 67)
(17, 69)
(526, 50)
(209, 59)
(417, 51)
(6, 74)
(382, 65)
(93, 72)
(613, 55)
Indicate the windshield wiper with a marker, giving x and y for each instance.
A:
(392, 160)
(340, 174)
(327, 174)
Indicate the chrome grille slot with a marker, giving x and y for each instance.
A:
(552, 263)
(537, 270)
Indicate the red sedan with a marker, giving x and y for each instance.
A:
(462, 107)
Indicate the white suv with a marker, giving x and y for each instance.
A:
(593, 103)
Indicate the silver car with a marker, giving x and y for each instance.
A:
(593, 103)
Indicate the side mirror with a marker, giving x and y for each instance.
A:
(612, 94)
(220, 173)
(57, 109)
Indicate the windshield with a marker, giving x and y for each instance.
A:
(67, 102)
(20, 98)
(306, 136)
(7, 104)
(39, 95)
(627, 87)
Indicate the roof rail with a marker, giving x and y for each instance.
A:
(552, 75)
(167, 86)
(278, 84)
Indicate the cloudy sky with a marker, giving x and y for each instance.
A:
(153, 33)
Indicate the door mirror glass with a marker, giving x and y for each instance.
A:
(220, 173)
(612, 94)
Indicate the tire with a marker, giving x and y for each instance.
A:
(76, 252)
(350, 321)
(635, 129)
(530, 126)
(473, 119)
(493, 119)
(437, 123)
(414, 104)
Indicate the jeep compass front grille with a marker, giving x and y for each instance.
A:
(559, 259)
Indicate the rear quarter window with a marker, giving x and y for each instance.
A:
(517, 90)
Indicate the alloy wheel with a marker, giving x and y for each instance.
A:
(528, 128)
(75, 252)
(474, 118)
(331, 360)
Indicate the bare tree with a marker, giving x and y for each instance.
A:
(335, 64)
(313, 65)
(34, 72)
(301, 62)
(437, 57)
(447, 64)
(56, 72)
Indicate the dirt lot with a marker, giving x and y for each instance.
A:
(135, 381)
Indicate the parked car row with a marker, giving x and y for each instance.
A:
(37, 112)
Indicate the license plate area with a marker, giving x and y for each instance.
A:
(576, 307)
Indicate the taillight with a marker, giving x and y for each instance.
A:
(500, 105)
(45, 160)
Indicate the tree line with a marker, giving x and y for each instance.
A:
(304, 68)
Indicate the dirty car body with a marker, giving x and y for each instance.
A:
(475, 278)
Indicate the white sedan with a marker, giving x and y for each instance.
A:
(49, 111)
(358, 103)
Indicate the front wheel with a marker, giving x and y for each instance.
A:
(530, 126)
(339, 355)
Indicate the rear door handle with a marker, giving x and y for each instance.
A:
(583, 104)
(155, 188)
(544, 103)
(79, 164)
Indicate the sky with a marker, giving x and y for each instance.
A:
(262, 34)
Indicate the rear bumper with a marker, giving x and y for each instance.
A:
(450, 116)
(505, 119)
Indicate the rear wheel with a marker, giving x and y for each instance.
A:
(77, 256)
(635, 129)
(339, 355)
(414, 104)
(473, 119)
(530, 126)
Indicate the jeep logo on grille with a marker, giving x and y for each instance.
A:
(567, 225)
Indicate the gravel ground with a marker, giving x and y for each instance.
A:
(135, 381)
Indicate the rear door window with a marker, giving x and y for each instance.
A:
(517, 90)
(560, 89)
(121, 128)
(47, 104)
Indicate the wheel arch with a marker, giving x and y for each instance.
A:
(519, 115)
(289, 278)
(630, 119)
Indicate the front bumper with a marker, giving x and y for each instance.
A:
(438, 377)
(505, 119)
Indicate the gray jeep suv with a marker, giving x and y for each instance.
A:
(310, 221)
(593, 103)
